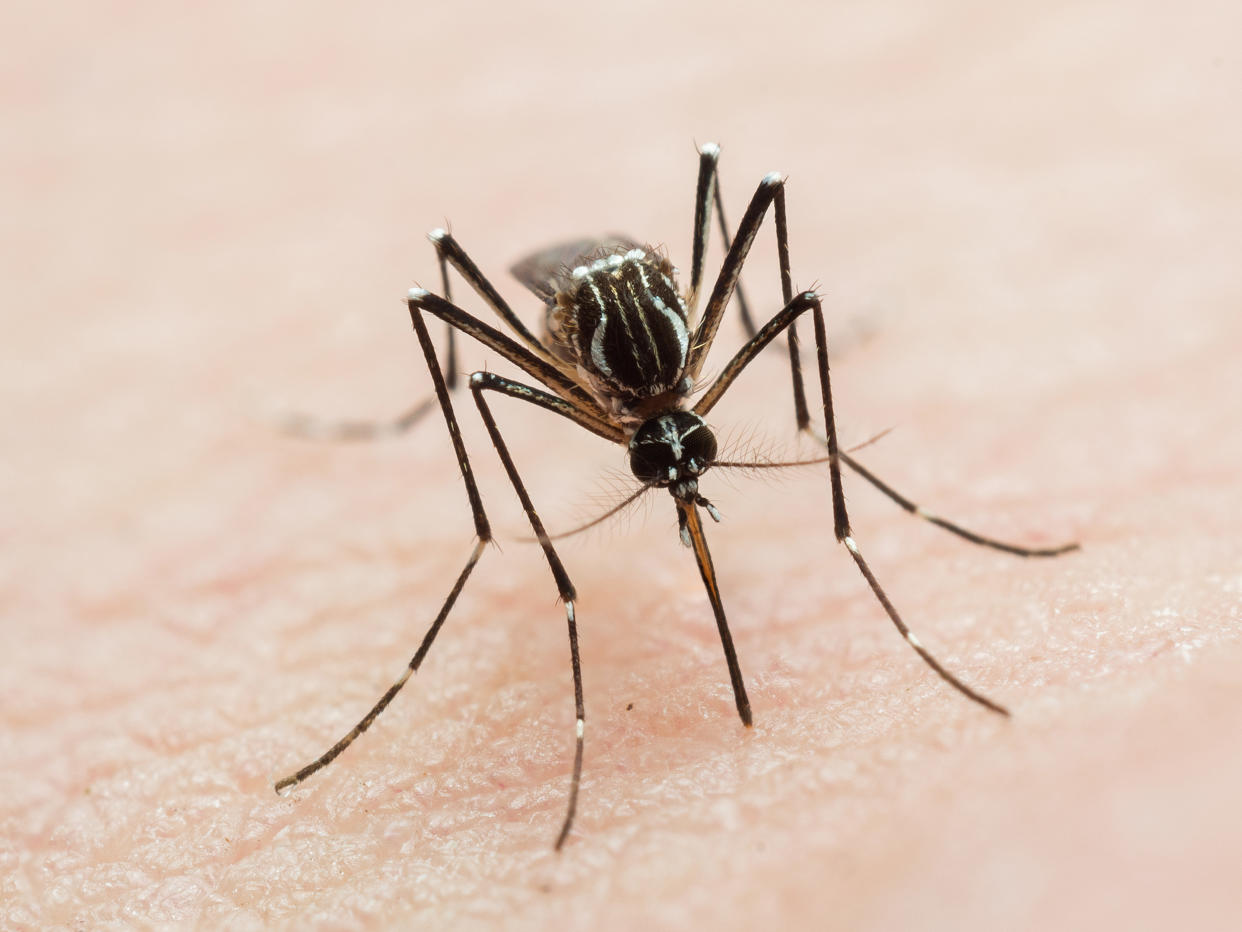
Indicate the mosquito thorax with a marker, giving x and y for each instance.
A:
(673, 450)
(620, 320)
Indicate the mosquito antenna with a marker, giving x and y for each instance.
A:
(776, 464)
(874, 438)
(614, 510)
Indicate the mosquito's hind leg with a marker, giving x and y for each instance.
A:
(709, 188)
(355, 430)
(771, 192)
(975, 538)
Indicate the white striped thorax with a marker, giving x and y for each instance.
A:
(619, 319)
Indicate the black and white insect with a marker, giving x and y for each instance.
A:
(621, 355)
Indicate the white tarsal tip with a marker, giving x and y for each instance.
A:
(581, 728)
(849, 542)
(913, 639)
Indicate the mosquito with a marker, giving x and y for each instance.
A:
(621, 355)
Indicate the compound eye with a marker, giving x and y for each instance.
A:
(651, 462)
(700, 446)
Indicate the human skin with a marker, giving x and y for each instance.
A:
(1032, 218)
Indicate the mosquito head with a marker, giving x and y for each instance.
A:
(672, 450)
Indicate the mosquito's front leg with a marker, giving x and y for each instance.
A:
(809, 301)
(482, 529)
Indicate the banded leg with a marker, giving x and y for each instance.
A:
(485, 381)
(706, 195)
(448, 249)
(747, 230)
(448, 253)
(352, 429)
(483, 532)
(919, 512)
(809, 301)
(771, 192)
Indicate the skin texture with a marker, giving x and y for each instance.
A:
(1025, 221)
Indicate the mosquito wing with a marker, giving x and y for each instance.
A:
(548, 271)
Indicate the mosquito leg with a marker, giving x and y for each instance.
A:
(841, 524)
(809, 301)
(974, 538)
(709, 187)
(310, 427)
(510, 349)
(797, 306)
(482, 531)
(335, 751)
(770, 191)
(705, 333)
(448, 249)
(479, 383)
(704, 194)
(743, 306)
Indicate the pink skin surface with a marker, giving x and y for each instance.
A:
(1034, 216)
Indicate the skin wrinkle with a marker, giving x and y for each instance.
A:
(194, 605)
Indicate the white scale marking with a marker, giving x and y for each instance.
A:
(642, 318)
(672, 439)
(597, 338)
